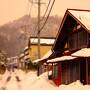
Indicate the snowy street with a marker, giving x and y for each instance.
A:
(20, 80)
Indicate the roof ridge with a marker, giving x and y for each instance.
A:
(78, 10)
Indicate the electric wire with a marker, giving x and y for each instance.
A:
(46, 18)
(43, 15)
(46, 10)
(42, 18)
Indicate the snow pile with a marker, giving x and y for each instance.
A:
(30, 81)
(42, 83)
(74, 86)
(37, 83)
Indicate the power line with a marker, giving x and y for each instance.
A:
(46, 10)
(38, 24)
(44, 15)
(41, 28)
(47, 17)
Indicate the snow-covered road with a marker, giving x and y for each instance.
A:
(20, 80)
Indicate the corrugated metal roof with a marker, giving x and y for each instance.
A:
(44, 57)
(85, 52)
(63, 58)
(82, 16)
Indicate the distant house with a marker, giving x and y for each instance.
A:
(24, 58)
(45, 45)
(72, 48)
(21, 61)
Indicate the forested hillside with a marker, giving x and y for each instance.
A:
(14, 35)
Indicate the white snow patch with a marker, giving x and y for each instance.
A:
(30, 81)
(75, 86)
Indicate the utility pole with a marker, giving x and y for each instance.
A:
(39, 11)
(38, 24)
(39, 5)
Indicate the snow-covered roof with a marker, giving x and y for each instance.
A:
(21, 55)
(26, 52)
(26, 48)
(42, 41)
(26, 57)
(44, 57)
(85, 52)
(82, 16)
(63, 58)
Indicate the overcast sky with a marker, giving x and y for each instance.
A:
(14, 9)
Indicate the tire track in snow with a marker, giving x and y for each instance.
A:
(11, 80)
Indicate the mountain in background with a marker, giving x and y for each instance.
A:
(14, 35)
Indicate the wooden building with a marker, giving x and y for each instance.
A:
(24, 58)
(73, 37)
(45, 45)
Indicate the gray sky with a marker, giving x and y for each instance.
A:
(14, 9)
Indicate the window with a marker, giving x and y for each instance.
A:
(55, 73)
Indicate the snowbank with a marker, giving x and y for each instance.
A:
(42, 83)
(30, 81)
(74, 86)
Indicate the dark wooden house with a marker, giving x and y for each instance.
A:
(73, 37)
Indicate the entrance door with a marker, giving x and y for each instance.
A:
(83, 71)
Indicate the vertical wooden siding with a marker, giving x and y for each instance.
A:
(70, 72)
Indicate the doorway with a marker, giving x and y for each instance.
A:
(83, 71)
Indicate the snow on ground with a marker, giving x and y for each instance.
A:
(42, 83)
(3, 78)
(30, 81)
(20, 73)
(75, 86)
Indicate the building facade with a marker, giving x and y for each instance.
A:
(73, 37)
